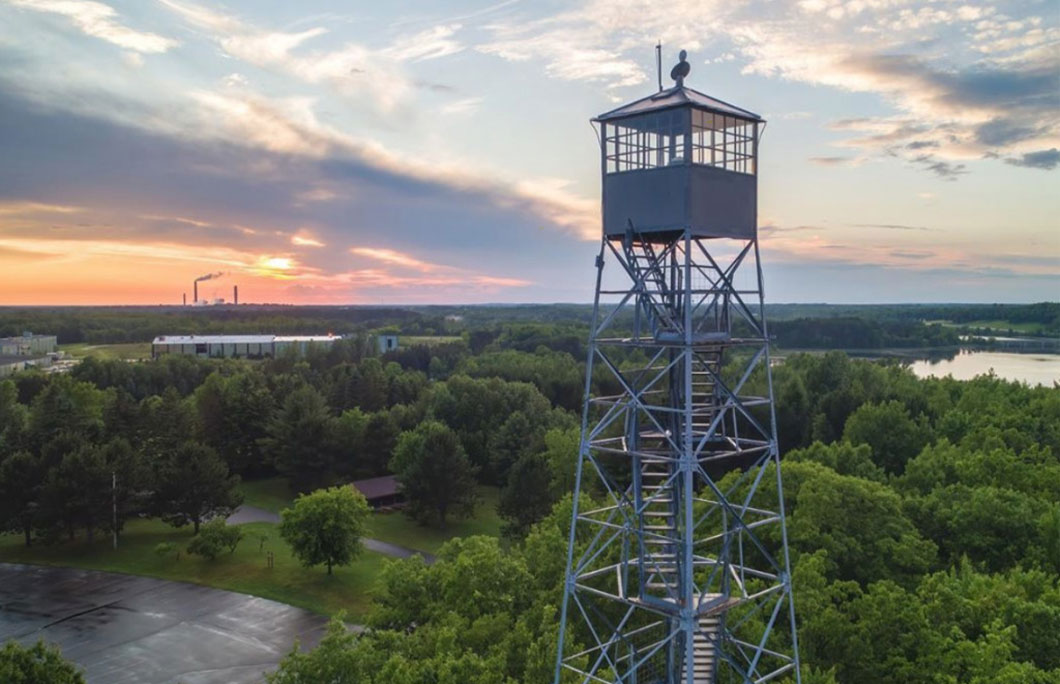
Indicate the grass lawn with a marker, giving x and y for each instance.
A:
(999, 327)
(244, 570)
(130, 350)
(396, 528)
(273, 495)
(270, 494)
(411, 340)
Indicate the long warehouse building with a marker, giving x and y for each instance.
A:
(238, 346)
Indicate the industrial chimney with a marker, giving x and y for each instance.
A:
(235, 295)
(184, 298)
(195, 297)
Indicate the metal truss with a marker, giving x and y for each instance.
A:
(681, 574)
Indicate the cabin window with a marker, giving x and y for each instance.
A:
(723, 141)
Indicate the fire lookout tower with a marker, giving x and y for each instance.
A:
(678, 571)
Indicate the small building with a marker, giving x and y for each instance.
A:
(387, 343)
(381, 492)
(13, 363)
(237, 346)
(28, 344)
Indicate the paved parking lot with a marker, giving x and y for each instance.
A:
(123, 629)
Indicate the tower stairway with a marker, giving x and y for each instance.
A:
(704, 653)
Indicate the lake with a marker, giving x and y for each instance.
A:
(1034, 369)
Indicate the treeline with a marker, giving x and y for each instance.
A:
(561, 327)
(924, 528)
(108, 325)
(337, 415)
(859, 333)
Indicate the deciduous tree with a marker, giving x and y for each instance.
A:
(325, 527)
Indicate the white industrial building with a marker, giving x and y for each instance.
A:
(25, 351)
(238, 346)
(27, 344)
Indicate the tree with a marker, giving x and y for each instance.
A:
(131, 482)
(13, 418)
(436, 475)
(527, 498)
(326, 527)
(233, 413)
(193, 485)
(77, 492)
(36, 664)
(893, 435)
(335, 660)
(20, 481)
(300, 438)
(214, 537)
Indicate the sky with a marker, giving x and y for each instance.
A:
(440, 151)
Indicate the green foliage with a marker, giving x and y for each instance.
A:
(326, 527)
(36, 664)
(435, 474)
(301, 438)
(889, 430)
(334, 660)
(213, 538)
(193, 484)
(165, 549)
(528, 496)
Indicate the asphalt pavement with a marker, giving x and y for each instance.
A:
(124, 629)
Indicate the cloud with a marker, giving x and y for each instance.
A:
(99, 20)
(1042, 159)
(390, 256)
(220, 198)
(304, 239)
(891, 226)
(464, 106)
(24, 207)
(431, 43)
(831, 161)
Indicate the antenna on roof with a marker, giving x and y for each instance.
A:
(681, 70)
(658, 62)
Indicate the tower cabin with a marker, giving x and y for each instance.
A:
(680, 160)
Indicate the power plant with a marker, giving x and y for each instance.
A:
(216, 301)
(678, 571)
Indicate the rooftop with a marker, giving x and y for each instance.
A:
(376, 487)
(676, 97)
(240, 339)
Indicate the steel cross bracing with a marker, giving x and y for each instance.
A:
(679, 574)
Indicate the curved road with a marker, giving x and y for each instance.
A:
(124, 629)
(249, 514)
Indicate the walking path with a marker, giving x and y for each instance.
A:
(249, 514)
(124, 629)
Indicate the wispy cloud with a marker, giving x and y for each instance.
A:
(100, 20)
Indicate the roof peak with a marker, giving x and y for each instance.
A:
(677, 96)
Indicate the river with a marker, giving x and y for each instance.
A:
(1033, 369)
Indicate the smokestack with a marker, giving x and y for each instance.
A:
(235, 295)
(184, 299)
(208, 276)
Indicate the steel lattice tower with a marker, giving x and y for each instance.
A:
(679, 572)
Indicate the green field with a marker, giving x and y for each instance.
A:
(245, 570)
(999, 327)
(125, 351)
(272, 494)
(411, 340)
